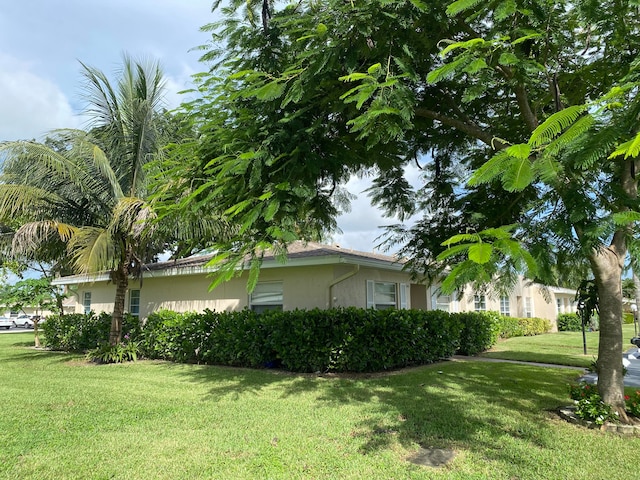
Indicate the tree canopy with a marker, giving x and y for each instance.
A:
(533, 101)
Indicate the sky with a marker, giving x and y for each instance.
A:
(43, 41)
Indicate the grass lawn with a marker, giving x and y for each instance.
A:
(562, 348)
(65, 419)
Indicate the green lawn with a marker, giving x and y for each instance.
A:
(66, 419)
(562, 348)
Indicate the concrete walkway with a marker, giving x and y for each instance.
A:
(631, 360)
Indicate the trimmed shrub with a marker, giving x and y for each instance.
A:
(569, 322)
(79, 332)
(627, 318)
(522, 327)
(347, 339)
(480, 331)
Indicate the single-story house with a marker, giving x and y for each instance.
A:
(314, 276)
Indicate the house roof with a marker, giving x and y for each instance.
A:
(298, 254)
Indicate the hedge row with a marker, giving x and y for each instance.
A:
(523, 327)
(78, 332)
(349, 339)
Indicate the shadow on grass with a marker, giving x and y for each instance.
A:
(470, 405)
(582, 361)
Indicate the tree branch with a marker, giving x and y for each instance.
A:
(468, 128)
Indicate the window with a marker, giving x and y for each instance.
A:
(384, 295)
(505, 307)
(559, 305)
(479, 303)
(134, 302)
(86, 302)
(443, 302)
(528, 307)
(266, 296)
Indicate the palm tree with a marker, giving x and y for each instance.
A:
(83, 195)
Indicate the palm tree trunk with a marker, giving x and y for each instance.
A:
(636, 296)
(122, 283)
(607, 269)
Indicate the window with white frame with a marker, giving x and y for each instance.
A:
(559, 305)
(86, 302)
(266, 296)
(479, 303)
(443, 302)
(385, 295)
(528, 307)
(134, 302)
(505, 306)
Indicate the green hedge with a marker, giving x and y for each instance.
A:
(480, 331)
(569, 322)
(79, 332)
(523, 327)
(347, 339)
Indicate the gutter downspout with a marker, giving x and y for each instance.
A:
(340, 279)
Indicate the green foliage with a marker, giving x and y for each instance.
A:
(29, 293)
(523, 327)
(304, 340)
(79, 332)
(632, 403)
(589, 404)
(480, 331)
(569, 322)
(627, 318)
(126, 351)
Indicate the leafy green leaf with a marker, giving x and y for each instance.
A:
(269, 91)
(464, 45)
(555, 124)
(374, 68)
(480, 252)
(460, 6)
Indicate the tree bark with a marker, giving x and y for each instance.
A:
(636, 296)
(607, 265)
(121, 278)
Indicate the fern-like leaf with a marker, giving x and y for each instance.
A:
(518, 176)
(626, 218)
(556, 124)
(491, 169)
(628, 149)
(447, 70)
(460, 6)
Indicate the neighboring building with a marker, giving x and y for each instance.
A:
(314, 276)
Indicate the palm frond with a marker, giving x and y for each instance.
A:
(94, 250)
(34, 235)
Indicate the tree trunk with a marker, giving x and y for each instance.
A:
(121, 278)
(36, 330)
(607, 268)
(636, 297)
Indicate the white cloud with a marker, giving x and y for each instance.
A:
(365, 223)
(30, 105)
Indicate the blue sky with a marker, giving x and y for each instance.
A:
(41, 42)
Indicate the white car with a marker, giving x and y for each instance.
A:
(6, 323)
(23, 321)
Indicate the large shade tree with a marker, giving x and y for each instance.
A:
(300, 96)
(80, 198)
